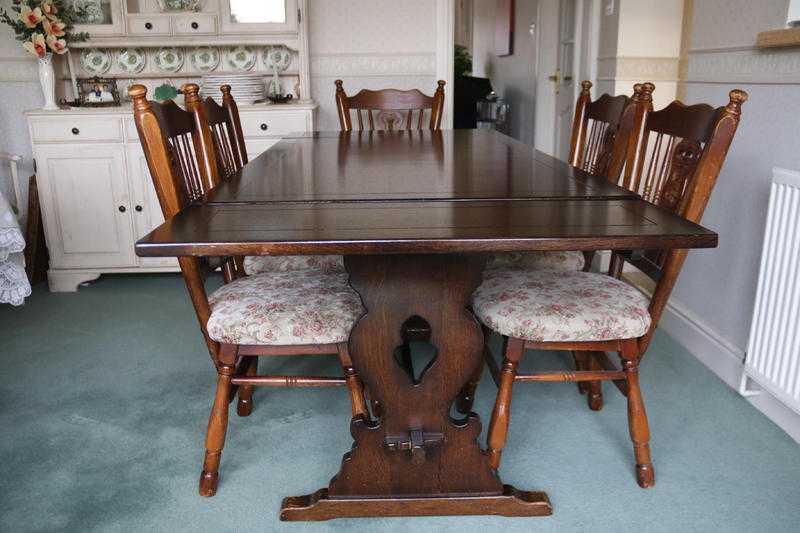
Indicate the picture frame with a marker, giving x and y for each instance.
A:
(504, 28)
(98, 92)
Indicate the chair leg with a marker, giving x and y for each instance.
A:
(580, 364)
(501, 415)
(215, 437)
(245, 405)
(357, 399)
(595, 388)
(637, 417)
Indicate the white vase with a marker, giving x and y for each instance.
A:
(47, 78)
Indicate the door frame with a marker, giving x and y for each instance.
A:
(445, 40)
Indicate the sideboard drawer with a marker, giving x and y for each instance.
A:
(195, 23)
(76, 129)
(272, 124)
(148, 25)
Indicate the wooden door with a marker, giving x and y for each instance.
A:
(147, 213)
(86, 205)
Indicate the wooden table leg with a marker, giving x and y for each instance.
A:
(415, 460)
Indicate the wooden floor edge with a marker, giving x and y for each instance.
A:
(318, 506)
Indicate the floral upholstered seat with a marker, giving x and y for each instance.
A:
(285, 308)
(555, 306)
(574, 261)
(290, 263)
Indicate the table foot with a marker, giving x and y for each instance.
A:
(319, 506)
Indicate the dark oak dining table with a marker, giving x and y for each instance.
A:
(416, 214)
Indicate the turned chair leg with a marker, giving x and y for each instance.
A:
(637, 417)
(594, 396)
(501, 415)
(245, 405)
(357, 398)
(217, 427)
(580, 364)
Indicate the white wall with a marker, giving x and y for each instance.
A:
(513, 77)
(640, 41)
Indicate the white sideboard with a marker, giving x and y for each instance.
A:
(95, 189)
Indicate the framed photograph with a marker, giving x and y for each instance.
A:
(98, 92)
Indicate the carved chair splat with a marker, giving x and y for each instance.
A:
(390, 109)
(181, 156)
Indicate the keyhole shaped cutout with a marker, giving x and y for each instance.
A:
(416, 355)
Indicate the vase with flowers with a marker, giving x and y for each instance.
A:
(45, 28)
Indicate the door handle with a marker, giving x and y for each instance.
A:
(556, 77)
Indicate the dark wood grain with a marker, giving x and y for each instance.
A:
(416, 165)
(417, 227)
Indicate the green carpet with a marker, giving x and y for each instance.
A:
(104, 398)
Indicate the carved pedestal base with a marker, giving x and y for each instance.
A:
(415, 459)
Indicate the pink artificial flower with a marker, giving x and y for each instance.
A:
(57, 45)
(30, 17)
(54, 27)
(36, 45)
(49, 9)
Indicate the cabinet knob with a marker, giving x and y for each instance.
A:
(264, 127)
(195, 25)
(122, 209)
(148, 25)
(75, 131)
(138, 208)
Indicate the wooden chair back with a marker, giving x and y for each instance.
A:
(226, 133)
(390, 109)
(680, 157)
(180, 154)
(603, 130)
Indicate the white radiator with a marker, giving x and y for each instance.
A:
(773, 353)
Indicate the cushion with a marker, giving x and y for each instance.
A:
(284, 308)
(537, 261)
(291, 263)
(559, 306)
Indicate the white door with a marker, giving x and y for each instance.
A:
(555, 83)
(564, 78)
(86, 206)
(147, 213)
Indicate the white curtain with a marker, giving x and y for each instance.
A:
(14, 286)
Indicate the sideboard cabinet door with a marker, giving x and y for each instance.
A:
(147, 214)
(86, 206)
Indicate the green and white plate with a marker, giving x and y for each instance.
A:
(204, 58)
(95, 61)
(131, 60)
(277, 57)
(169, 59)
(242, 58)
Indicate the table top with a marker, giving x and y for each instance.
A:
(415, 192)
(408, 165)
(421, 227)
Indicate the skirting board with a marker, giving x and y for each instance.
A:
(725, 360)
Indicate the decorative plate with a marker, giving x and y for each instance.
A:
(131, 60)
(241, 58)
(204, 58)
(277, 57)
(95, 61)
(169, 59)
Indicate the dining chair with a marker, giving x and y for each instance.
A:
(594, 313)
(268, 314)
(231, 154)
(390, 109)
